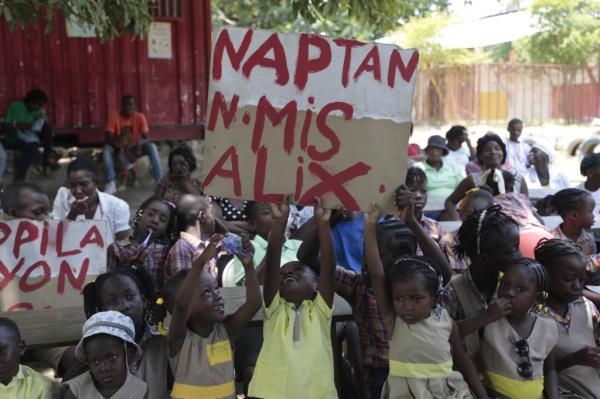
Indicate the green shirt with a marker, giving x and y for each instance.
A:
(27, 384)
(17, 112)
(441, 183)
(233, 275)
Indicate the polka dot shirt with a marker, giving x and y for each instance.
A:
(230, 213)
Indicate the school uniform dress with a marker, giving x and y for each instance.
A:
(421, 361)
(585, 240)
(203, 368)
(500, 360)
(83, 387)
(576, 331)
(152, 367)
(296, 360)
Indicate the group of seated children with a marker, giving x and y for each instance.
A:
(473, 313)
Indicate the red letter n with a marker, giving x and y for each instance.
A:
(235, 57)
(406, 71)
(76, 281)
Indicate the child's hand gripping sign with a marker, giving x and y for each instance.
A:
(306, 114)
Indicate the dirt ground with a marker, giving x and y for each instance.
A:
(556, 135)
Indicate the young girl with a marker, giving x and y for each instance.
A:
(424, 340)
(517, 350)
(577, 352)
(296, 360)
(154, 231)
(576, 208)
(199, 348)
(490, 239)
(130, 291)
(106, 344)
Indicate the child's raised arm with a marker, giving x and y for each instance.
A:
(246, 312)
(464, 364)
(327, 273)
(404, 201)
(185, 296)
(280, 212)
(375, 267)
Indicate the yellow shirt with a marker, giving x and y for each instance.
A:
(27, 384)
(296, 359)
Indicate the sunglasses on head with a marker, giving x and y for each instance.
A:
(524, 368)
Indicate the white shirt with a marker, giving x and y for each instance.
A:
(517, 155)
(595, 195)
(111, 209)
(460, 157)
(558, 180)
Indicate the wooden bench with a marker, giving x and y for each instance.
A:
(60, 327)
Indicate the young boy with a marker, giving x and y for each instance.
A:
(16, 380)
(25, 201)
(517, 152)
(196, 219)
(590, 169)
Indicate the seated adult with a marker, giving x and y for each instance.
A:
(442, 176)
(26, 127)
(179, 180)
(460, 149)
(82, 200)
(590, 169)
(476, 166)
(541, 173)
(261, 219)
(127, 131)
(234, 214)
(491, 152)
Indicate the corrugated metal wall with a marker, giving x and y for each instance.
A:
(85, 79)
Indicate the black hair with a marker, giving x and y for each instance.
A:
(539, 273)
(415, 175)
(487, 138)
(92, 303)
(12, 193)
(455, 132)
(188, 207)
(127, 97)
(513, 122)
(171, 233)
(251, 209)
(589, 162)
(409, 267)
(548, 251)
(83, 163)
(483, 192)
(36, 96)
(568, 199)
(187, 154)
(474, 232)
(396, 228)
(11, 326)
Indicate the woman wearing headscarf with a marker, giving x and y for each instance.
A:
(541, 173)
(491, 152)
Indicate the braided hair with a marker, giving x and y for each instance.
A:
(548, 251)
(475, 230)
(92, 301)
(415, 176)
(539, 273)
(171, 234)
(568, 199)
(589, 162)
(409, 267)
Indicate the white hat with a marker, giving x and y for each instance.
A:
(109, 323)
(546, 148)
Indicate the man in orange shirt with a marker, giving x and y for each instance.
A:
(127, 136)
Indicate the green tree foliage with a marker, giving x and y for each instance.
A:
(110, 18)
(422, 33)
(361, 19)
(569, 33)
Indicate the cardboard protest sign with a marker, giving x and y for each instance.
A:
(47, 264)
(307, 115)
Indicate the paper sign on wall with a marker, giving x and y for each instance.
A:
(47, 264)
(160, 43)
(307, 115)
